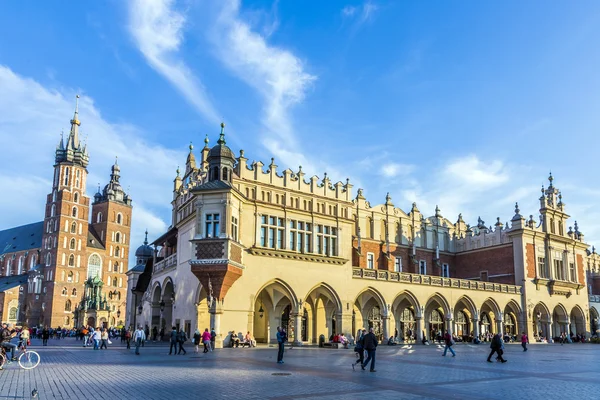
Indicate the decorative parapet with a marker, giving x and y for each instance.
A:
(416, 279)
(167, 263)
(292, 255)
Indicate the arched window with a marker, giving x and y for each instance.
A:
(560, 228)
(119, 218)
(12, 314)
(66, 180)
(462, 326)
(77, 176)
(118, 295)
(74, 212)
(64, 291)
(115, 282)
(225, 174)
(551, 225)
(48, 259)
(9, 267)
(20, 265)
(67, 321)
(94, 266)
(370, 228)
(117, 237)
(54, 195)
(53, 210)
(117, 251)
(71, 260)
(70, 277)
(74, 227)
(99, 218)
(72, 244)
(116, 267)
(32, 261)
(76, 198)
(74, 292)
(68, 306)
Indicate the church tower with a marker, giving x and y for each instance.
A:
(65, 231)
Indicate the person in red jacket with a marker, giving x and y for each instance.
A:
(524, 341)
(449, 343)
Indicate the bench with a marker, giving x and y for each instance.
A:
(333, 345)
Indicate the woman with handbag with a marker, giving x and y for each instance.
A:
(206, 340)
(449, 343)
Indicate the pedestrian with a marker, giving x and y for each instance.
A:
(45, 335)
(181, 339)
(370, 344)
(197, 338)
(147, 333)
(281, 339)
(24, 338)
(206, 340)
(95, 336)
(128, 335)
(524, 341)
(173, 341)
(6, 335)
(497, 347)
(104, 339)
(138, 337)
(213, 337)
(154, 333)
(449, 342)
(359, 349)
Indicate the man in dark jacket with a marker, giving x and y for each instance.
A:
(173, 341)
(370, 345)
(497, 345)
(6, 334)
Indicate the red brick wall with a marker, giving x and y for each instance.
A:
(530, 262)
(497, 260)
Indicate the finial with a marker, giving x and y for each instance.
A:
(460, 218)
(299, 168)
(206, 141)
(324, 175)
(517, 208)
(146, 239)
(437, 211)
(98, 187)
(76, 103)
(594, 249)
(116, 160)
(272, 160)
(576, 227)
(242, 153)
(543, 189)
(221, 140)
(178, 171)
(550, 178)
(560, 197)
(388, 198)
(191, 147)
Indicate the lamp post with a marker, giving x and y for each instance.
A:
(162, 309)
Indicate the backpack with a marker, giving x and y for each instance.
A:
(284, 337)
(182, 337)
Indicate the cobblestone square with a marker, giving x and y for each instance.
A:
(69, 371)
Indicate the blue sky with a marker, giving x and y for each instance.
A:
(466, 104)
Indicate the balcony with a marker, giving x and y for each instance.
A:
(167, 263)
(428, 280)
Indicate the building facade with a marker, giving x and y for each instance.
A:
(63, 255)
(251, 248)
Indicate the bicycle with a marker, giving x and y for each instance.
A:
(27, 359)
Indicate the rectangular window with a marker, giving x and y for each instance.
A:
(300, 236)
(212, 226)
(558, 270)
(446, 271)
(542, 268)
(272, 232)
(326, 240)
(398, 264)
(370, 261)
(423, 267)
(234, 228)
(572, 272)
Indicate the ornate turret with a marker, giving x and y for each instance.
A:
(72, 151)
(113, 190)
(190, 163)
(221, 160)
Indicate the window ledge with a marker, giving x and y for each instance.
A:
(266, 252)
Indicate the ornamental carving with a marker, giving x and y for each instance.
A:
(210, 250)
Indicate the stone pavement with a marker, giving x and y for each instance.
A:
(69, 371)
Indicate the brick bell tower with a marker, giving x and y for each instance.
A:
(111, 220)
(65, 234)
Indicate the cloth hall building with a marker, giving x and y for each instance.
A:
(252, 247)
(69, 269)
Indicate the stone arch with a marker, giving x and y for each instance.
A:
(203, 309)
(325, 313)
(577, 321)
(512, 319)
(464, 313)
(405, 311)
(155, 306)
(594, 326)
(168, 297)
(560, 321)
(273, 304)
(437, 311)
(369, 310)
(541, 321)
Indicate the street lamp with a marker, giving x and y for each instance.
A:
(140, 309)
(162, 305)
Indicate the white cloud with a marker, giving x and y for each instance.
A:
(470, 170)
(157, 30)
(30, 123)
(360, 14)
(348, 11)
(392, 170)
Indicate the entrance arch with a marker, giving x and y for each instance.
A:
(560, 321)
(512, 324)
(202, 308)
(541, 321)
(272, 307)
(369, 309)
(594, 327)
(464, 312)
(325, 311)
(491, 311)
(155, 321)
(168, 297)
(436, 310)
(404, 311)
(577, 326)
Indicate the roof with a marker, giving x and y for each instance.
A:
(139, 268)
(171, 233)
(20, 238)
(213, 185)
(93, 239)
(9, 282)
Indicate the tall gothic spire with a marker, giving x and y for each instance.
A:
(73, 141)
(71, 150)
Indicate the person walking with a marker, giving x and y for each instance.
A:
(6, 335)
(524, 341)
(173, 341)
(281, 339)
(138, 337)
(181, 339)
(497, 347)
(197, 339)
(95, 336)
(24, 338)
(370, 344)
(45, 335)
(206, 340)
(449, 343)
(104, 339)
(213, 337)
(359, 349)
(128, 335)
(154, 333)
